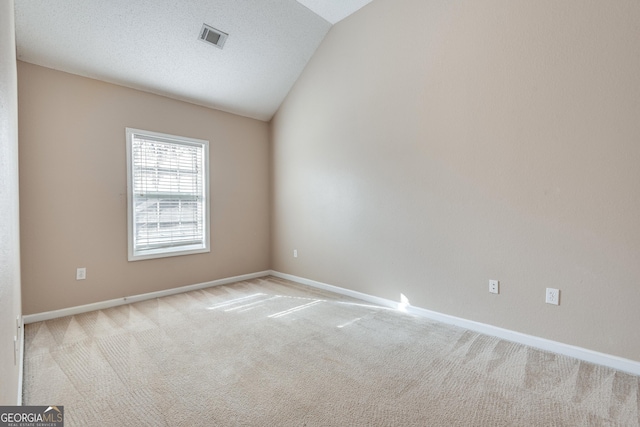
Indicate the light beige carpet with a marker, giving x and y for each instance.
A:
(268, 352)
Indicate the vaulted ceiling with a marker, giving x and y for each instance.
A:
(154, 45)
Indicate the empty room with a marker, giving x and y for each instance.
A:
(320, 212)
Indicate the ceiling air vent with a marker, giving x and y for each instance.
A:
(211, 35)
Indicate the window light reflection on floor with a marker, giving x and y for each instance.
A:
(404, 303)
(233, 301)
(259, 302)
(250, 302)
(294, 309)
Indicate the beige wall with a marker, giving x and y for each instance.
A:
(431, 146)
(9, 216)
(73, 190)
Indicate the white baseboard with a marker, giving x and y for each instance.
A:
(608, 360)
(39, 317)
(336, 289)
(21, 363)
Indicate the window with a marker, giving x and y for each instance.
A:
(168, 195)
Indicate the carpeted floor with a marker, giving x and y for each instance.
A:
(268, 352)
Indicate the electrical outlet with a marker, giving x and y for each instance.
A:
(552, 296)
(494, 286)
(295, 253)
(81, 273)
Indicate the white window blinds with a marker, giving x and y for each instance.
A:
(168, 195)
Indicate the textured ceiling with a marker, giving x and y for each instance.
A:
(153, 45)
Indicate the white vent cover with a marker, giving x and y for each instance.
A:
(211, 35)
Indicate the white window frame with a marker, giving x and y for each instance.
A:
(136, 254)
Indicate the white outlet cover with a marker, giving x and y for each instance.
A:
(494, 286)
(552, 296)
